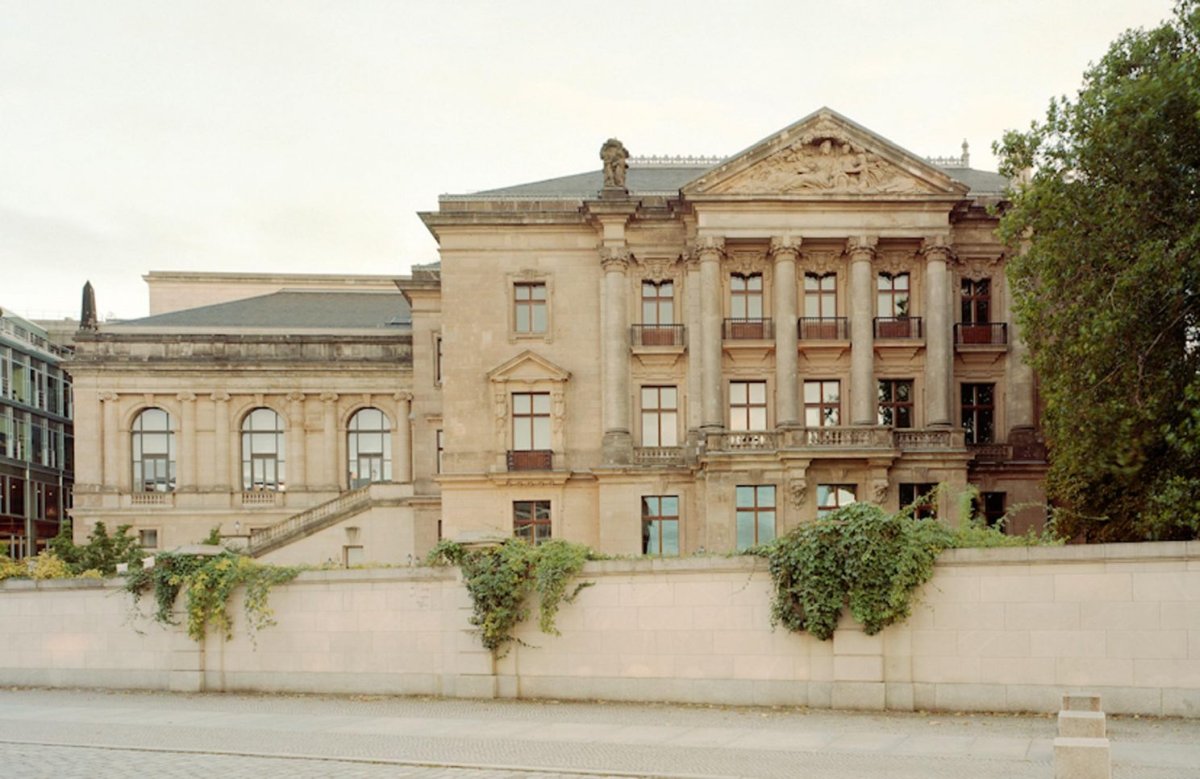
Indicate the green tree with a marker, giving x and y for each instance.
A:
(1107, 276)
(102, 551)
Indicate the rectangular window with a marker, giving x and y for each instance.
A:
(831, 497)
(755, 506)
(529, 300)
(531, 520)
(660, 420)
(893, 295)
(920, 497)
(440, 443)
(531, 421)
(820, 296)
(746, 296)
(822, 403)
(990, 505)
(747, 405)
(896, 402)
(979, 412)
(660, 525)
(976, 301)
(148, 538)
(658, 303)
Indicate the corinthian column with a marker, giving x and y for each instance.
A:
(710, 250)
(862, 337)
(938, 325)
(784, 250)
(618, 445)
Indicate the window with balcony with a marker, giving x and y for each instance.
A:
(369, 446)
(747, 405)
(658, 326)
(531, 432)
(975, 325)
(153, 452)
(979, 412)
(755, 515)
(660, 416)
(660, 525)
(831, 497)
(821, 321)
(921, 498)
(263, 452)
(531, 520)
(896, 402)
(822, 403)
(893, 318)
(529, 308)
(746, 307)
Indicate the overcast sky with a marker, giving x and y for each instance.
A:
(304, 136)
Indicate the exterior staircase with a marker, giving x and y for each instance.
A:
(309, 521)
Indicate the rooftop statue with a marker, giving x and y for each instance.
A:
(615, 156)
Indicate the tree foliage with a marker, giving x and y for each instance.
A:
(102, 551)
(1107, 284)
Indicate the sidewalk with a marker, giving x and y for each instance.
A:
(56, 732)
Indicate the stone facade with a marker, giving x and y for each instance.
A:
(664, 357)
(821, 318)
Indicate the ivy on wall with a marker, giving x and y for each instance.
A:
(500, 579)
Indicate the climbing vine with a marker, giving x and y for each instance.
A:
(209, 581)
(500, 578)
(870, 561)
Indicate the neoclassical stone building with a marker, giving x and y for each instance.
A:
(698, 355)
(662, 357)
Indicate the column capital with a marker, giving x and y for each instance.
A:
(219, 397)
(862, 247)
(108, 397)
(295, 397)
(404, 397)
(329, 397)
(186, 397)
(615, 259)
(709, 247)
(936, 248)
(784, 247)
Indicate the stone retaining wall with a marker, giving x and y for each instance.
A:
(996, 630)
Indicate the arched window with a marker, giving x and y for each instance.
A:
(263, 451)
(370, 447)
(153, 452)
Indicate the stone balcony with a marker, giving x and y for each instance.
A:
(832, 440)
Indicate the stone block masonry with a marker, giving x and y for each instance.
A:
(994, 630)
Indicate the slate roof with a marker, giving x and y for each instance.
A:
(669, 179)
(298, 309)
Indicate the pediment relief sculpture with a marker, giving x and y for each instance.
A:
(821, 262)
(894, 262)
(747, 263)
(979, 266)
(823, 160)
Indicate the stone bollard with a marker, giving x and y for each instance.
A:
(1081, 750)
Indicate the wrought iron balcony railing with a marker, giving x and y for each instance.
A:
(749, 329)
(899, 327)
(983, 334)
(834, 328)
(530, 460)
(657, 335)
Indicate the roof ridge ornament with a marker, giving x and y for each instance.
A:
(675, 160)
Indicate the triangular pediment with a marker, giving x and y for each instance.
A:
(824, 155)
(528, 367)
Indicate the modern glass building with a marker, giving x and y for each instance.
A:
(36, 436)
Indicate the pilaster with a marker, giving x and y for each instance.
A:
(186, 473)
(938, 333)
(221, 435)
(402, 442)
(862, 339)
(785, 250)
(618, 443)
(710, 250)
(297, 459)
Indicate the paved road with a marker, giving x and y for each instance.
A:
(70, 733)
